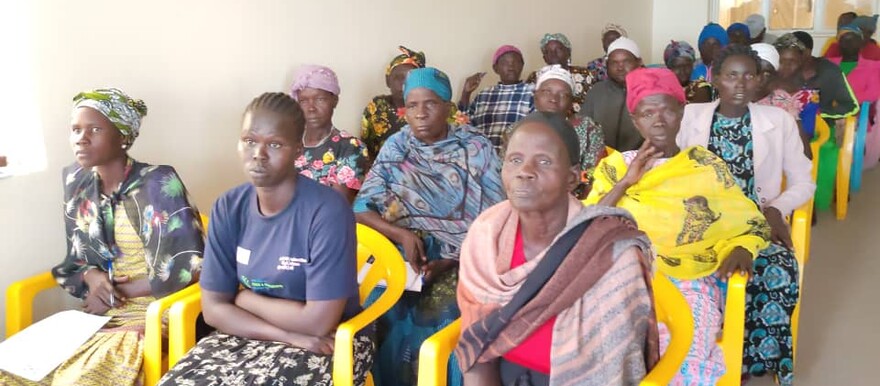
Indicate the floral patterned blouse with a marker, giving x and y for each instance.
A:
(381, 119)
(592, 149)
(339, 158)
(156, 204)
(731, 140)
(584, 78)
(791, 103)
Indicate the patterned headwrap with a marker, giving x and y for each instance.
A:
(678, 49)
(613, 27)
(866, 23)
(713, 30)
(849, 29)
(123, 111)
(789, 40)
(431, 79)
(559, 37)
(739, 27)
(314, 76)
(645, 82)
(407, 56)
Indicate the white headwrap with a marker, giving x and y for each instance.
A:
(554, 71)
(767, 52)
(626, 44)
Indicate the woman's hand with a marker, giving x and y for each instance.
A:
(779, 232)
(647, 154)
(436, 268)
(472, 82)
(413, 248)
(739, 260)
(100, 290)
(317, 344)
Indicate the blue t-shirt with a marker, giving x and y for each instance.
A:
(306, 252)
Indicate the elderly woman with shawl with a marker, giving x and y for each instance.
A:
(552, 292)
(124, 214)
(702, 226)
(428, 184)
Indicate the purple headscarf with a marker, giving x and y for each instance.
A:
(314, 76)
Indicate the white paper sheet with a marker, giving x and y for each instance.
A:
(37, 350)
(413, 278)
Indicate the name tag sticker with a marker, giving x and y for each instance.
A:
(242, 256)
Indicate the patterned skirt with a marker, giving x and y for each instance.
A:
(704, 364)
(222, 359)
(771, 296)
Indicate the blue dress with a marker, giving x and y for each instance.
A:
(772, 291)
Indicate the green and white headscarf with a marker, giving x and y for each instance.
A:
(123, 111)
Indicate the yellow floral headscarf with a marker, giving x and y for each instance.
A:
(691, 208)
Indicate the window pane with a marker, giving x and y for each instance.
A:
(791, 14)
(736, 11)
(833, 9)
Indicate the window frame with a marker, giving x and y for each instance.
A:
(818, 16)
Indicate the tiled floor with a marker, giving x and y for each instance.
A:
(839, 341)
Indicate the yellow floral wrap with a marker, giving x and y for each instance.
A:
(690, 207)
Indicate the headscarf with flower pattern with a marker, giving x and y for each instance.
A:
(559, 37)
(122, 110)
(408, 56)
(789, 41)
(678, 49)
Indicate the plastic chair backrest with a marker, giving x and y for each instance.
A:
(673, 311)
(844, 168)
(388, 266)
(859, 148)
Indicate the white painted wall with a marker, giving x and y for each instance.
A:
(198, 63)
(676, 20)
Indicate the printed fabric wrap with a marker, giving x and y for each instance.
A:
(691, 208)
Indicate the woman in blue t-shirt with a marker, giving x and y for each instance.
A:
(280, 271)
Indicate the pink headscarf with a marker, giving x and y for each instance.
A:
(644, 82)
(314, 76)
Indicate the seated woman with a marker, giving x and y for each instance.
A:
(599, 66)
(759, 145)
(786, 93)
(280, 270)
(429, 182)
(385, 115)
(553, 94)
(330, 156)
(701, 225)
(556, 49)
(679, 57)
(552, 292)
(862, 73)
(124, 214)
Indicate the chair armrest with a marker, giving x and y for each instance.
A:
(182, 325)
(800, 235)
(434, 355)
(734, 330)
(343, 351)
(153, 333)
(673, 311)
(20, 301)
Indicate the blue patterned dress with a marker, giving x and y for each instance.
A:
(436, 191)
(772, 292)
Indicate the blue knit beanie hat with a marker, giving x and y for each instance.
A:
(431, 79)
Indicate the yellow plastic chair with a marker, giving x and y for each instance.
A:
(844, 168)
(388, 265)
(673, 311)
(19, 315)
(734, 330)
(671, 308)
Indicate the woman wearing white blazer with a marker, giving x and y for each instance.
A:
(760, 144)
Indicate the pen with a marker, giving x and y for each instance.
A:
(110, 276)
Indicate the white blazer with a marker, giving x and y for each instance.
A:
(777, 149)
